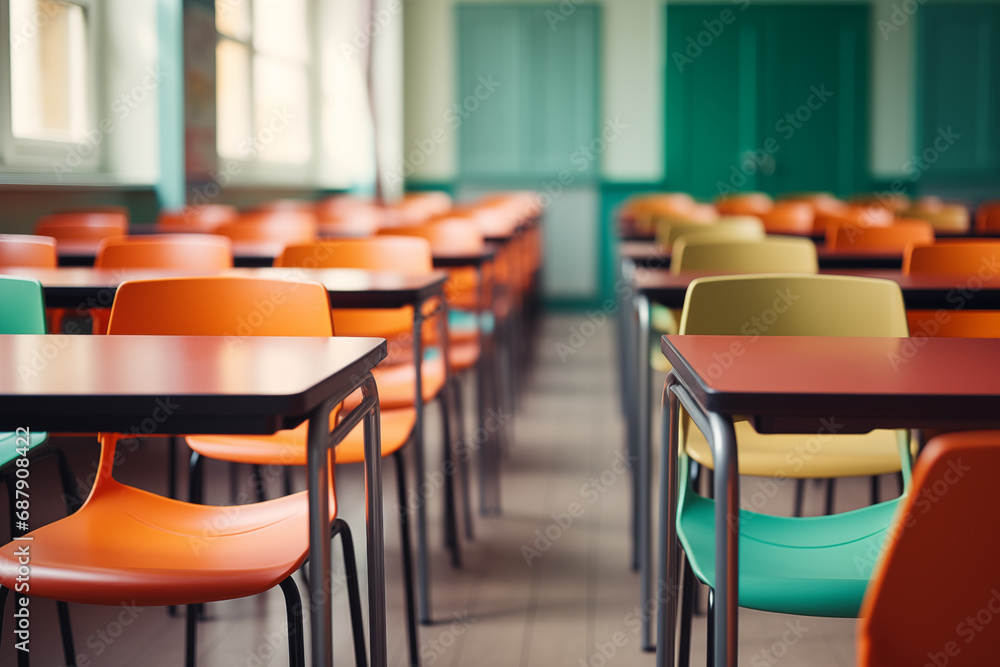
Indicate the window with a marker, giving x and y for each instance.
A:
(264, 83)
(50, 96)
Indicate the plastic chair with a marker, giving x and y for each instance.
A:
(820, 202)
(22, 311)
(816, 566)
(149, 545)
(744, 203)
(963, 261)
(17, 250)
(196, 252)
(935, 582)
(82, 226)
(396, 380)
(732, 227)
(640, 211)
(988, 217)
(789, 217)
(895, 237)
(696, 252)
(195, 219)
(950, 218)
(857, 216)
(281, 225)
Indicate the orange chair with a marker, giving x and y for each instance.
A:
(25, 250)
(933, 598)
(855, 215)
(637, 212)
(196, 252)
(281, 225)
(964, 261)
(129, 543)
(357, 222)
(847, 236)
(198, 219)
(744, 203)
(988, 217)
(397, 379)
(82, 226)
(821, 202)
(789, 217)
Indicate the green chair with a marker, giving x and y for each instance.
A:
(817, 566)
(22, 311)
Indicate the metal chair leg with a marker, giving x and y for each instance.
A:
(66, 634)
(190, 635)
(875, 491)
(407, 554)
(831, 487)
(687, 599)
(800, 496)
(293, 612)
(341, 528)
(710, 655)
(448, 464)
(257, 481)
(463, 459)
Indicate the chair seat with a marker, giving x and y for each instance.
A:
(129, 545)
(288, 447)
(817, 566)
(396, 384)
(9, 445)
(805, 456)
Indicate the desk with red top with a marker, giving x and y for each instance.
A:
(787, 385)
(90, 383)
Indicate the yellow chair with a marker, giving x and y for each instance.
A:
(710, 253)
(668, 231)
(713, 252)
(798, 305)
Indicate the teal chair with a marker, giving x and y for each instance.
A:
(815, 566)
(22, 311)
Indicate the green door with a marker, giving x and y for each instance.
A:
(770, 97)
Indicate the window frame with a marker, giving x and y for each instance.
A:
(19, 154)
(252, 170)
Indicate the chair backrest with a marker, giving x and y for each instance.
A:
(166, 251)
(696, 252)
(448, 234)
(94, 225)
(935, 595)
(821, 202)
(221, 306)
(988, 217)
(954, 218)
(794, 305)
(358, 222)
(731, 227)
(27, 250)
(857, 216)
(894, 237)
(744, 203)
(203, 218)
(280, 225)
(953, 258)
(399, 254)
(101, 218)
(22, 306)
(789, 217)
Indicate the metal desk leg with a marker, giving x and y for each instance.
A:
(376, 549)
(643, 472)
(423, 585)
(669, 549)
(319, 535)
(727, 533)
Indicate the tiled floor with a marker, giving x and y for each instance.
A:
(547, 583)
